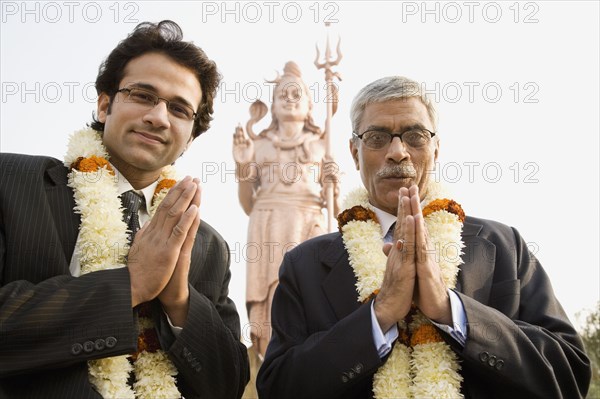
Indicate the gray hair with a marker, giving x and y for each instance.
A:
(388, 89)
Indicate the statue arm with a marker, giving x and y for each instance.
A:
(246, 191)
(246, 170)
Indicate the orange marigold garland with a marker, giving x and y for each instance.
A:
(91, 164)
(447, 205)
(164, 184)
(425, 334)
(357, 212)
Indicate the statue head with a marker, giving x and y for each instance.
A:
(291, 100)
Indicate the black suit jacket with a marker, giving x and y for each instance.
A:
(520, 343)
(45, 313)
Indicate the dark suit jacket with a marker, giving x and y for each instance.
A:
(520, 343)
(45, 313)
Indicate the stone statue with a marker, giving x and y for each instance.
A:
(281, 174)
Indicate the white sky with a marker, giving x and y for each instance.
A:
(516, 83)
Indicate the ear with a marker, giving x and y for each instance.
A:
(437, 150)
(354, 152)
(103, 104)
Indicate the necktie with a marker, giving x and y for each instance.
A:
(132, 202)
(390, 234)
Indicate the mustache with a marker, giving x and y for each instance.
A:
(402, 170)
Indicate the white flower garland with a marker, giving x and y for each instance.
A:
(423, 370)
(103, 245)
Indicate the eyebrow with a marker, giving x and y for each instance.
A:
(388, 130)
(149, 87)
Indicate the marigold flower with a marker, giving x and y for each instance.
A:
(164, 183)
(357, 212)
(425, 334)
(91, 164)
(445, 205)
(147, 341)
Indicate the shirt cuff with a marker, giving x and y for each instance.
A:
(459, 320)
(383, 342)
(176, 330)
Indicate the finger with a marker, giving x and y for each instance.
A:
(188, 244)
(415, 201)
(181, 204)
(180, 231)
(387, 247)
(408, 247)
(238, 133)
(413, 190)
(422, 244)
(403, 211)
(161, 212)
(198, 194)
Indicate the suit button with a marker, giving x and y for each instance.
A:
(484, 356)
(499, 364)
(344, 378)
(88, 346)
(100, 344)
(492, 361)
(351, 375)
(358, 368)
(111, 342)
(76, 349)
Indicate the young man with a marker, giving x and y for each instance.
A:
(426, 322)
(71, 313)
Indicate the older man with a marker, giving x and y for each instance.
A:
(426, 321)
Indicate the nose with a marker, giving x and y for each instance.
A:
(158, 116)
(396, 151)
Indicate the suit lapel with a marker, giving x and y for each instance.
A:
(475, 276)
(340, 282)
(61, 204)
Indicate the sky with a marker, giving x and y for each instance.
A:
(516, 85)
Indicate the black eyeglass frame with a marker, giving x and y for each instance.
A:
(158, 98)
(392, 135)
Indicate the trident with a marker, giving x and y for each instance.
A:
(332, 102)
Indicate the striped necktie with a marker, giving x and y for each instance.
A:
(390, 234)
(132, 202)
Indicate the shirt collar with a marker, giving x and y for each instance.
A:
(386, 219)
(123, 185)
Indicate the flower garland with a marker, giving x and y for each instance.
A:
(102, 228)
(421, 364)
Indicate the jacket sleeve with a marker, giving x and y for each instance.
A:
(522, 343)
(211, 360)
(64, 320)
(324, 364)
(49, 319)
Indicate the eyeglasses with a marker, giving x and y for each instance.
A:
(377, 139)
(150, 100)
